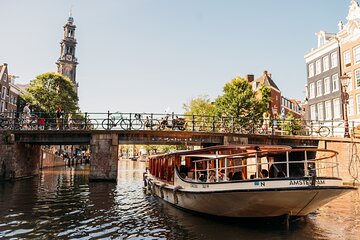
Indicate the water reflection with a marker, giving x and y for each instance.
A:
(63, 204)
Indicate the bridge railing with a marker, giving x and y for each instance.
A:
(174, 122)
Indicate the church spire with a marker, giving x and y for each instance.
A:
(67, 61)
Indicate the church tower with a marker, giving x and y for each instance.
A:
(67, 61)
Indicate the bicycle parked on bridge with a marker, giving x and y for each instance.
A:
(81, 124)
(151, 124)
(321, 130)
(124, 123)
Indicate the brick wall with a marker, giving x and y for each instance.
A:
(18, 160)
(49, 159)
(348, 151)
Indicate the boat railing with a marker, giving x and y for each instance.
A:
(266, 164)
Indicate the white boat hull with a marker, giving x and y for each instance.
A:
(245, 203)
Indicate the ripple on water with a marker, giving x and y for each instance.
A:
(63, 205)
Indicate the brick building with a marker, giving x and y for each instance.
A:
(279, 106)
(9, 92)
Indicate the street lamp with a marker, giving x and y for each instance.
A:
(345, 100)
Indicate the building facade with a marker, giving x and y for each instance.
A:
(9, 92)
(337, 56)
(67, 61)
(279, 105)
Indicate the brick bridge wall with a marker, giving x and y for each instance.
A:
(18, 160)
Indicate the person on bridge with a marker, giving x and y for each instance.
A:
(59, 117)
(26, 116)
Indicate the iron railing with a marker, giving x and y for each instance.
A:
(174, 122)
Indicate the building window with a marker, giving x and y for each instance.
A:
(336, 106)
(328, 114)
(334, 60)
(351, 106)
(312, 90)
(357, 78)
(358, 103)
(2, 106)
(320, 108)
(311, 70)
(3, 92)
(326, 63)
(318, 67)
(349, 87)
(319, 88)
(313, 112)
(347, 59)
(357, 55)
(335, 82)
(326, 85)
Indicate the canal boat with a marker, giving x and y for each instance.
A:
(247, 181)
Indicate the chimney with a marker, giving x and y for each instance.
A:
(249, 77)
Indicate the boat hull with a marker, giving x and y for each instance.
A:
(255, 203)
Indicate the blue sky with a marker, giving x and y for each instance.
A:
(153, 55)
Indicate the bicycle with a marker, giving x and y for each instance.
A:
(323, 131)
(80, 123)
(4, 122)
(125, 124)
(152, 124)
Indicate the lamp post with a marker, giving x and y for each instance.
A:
(345, 100)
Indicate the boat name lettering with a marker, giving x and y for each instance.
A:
(305, 182)
(261, 184)
(205, 185)
(193, 185)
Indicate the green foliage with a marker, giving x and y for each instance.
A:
(241, 102)
(290, 124)
(202, 109)
(50, 90)
(199, 106)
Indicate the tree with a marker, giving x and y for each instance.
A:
(50, 90)
(240, 102)
(200, 110)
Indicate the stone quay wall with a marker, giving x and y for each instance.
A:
(18, 160)
(49, 159)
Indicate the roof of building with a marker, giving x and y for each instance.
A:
(266, 80)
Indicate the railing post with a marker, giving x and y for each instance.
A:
(352, 129)
(332, 127)
(151, 121)
(86, 120)
(108, 120)
(172, 121)
(213, 123)
(193, 123)
(130, 123)
(273, 127)
(232, 124)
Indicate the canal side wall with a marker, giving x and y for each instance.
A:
(18, 160)
(49, 159)
(349, 154)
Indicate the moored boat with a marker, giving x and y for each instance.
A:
(247, 180)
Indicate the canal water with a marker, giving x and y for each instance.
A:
(62, 204)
